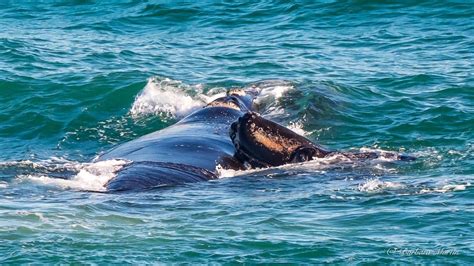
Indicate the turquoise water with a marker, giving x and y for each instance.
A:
(79, 77)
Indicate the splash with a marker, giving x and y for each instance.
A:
(174, 99)
(298, 128)
(91, 176)
(270, 92)
(167, 98)
(268, 102)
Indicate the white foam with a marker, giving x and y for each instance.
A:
(383, 155)
(269, 93)
(24, 163)
(272, 90)
(372, 185)
(211, 97)
(51, 164)
(223, 173)
(455, 152)
(315, 165)
(446, 188)
(91, 176)
(3, 184)
(297, 127)
(431, 155)
(168, 98)
(174, 99)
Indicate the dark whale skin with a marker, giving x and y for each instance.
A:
(264, 143)
(187, 151)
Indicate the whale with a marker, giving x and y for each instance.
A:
(188, 151)
(227, 133)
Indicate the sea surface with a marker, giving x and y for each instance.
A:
(80, 77)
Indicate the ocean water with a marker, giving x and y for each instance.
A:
(79, 77)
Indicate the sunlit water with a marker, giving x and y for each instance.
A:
(79, 77)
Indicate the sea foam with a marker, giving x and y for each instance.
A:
(90, 176)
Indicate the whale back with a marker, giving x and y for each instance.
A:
(187, 151)
(148, 175)
(199, 140)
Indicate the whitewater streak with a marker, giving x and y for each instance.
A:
(91, 176)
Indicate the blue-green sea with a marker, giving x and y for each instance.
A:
(80, 77)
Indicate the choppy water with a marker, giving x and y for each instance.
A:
(359, 74)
